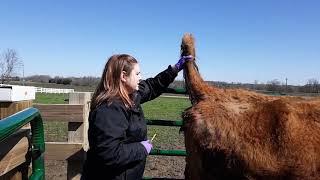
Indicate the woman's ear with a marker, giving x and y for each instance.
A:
(123, 76)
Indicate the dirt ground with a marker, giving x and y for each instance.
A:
(157, 166)
(165, 166)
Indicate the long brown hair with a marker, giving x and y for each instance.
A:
(110, 86)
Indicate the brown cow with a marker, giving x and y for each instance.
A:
(238, 134)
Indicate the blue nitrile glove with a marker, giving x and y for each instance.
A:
(182, 60)
(147, 145)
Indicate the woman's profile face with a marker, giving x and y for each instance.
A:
(132, 80)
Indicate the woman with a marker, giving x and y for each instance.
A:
(117, 128)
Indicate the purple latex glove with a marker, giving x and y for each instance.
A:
(182, 60)
(147, 145)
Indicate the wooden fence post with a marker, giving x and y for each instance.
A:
(9, 108)
(77, 133)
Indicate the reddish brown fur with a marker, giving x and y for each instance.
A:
(238, 134)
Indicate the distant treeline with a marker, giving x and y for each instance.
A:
(77, 81)
(311, 86)
(271, 86)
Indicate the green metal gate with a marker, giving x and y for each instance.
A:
(167, 123)
(13, 123)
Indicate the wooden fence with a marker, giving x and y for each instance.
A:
(76, 114)
(53, 90)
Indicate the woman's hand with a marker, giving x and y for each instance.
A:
(180, 64)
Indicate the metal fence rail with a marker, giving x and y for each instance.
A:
(166, 152)
(161, 122)
(164, 122)
(13, 123)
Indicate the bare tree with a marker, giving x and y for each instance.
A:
(273, 85)
(312, 86)
(9, 62)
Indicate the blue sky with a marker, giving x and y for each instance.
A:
(236, 41)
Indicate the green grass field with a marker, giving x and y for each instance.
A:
(160, 108)
(44, 98)
(168, 109)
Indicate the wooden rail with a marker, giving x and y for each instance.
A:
(62, 150)
(13, 152)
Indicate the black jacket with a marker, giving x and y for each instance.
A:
(115, 133)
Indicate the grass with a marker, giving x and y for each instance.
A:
(167, 109)
(159, 108)
(53, 131)
(44, 98)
